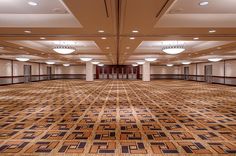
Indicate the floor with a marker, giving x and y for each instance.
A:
(74, 117)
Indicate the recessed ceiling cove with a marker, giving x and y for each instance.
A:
(45, 13)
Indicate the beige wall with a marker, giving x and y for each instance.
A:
(217, 68)
(165, 70)
(5, 68)
(230, 67)
(72, 69)
(18, 68)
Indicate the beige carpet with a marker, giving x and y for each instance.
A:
(72, 117)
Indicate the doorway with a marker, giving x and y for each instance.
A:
(208, 73)
(186, 73)
(49, 73)
(27, 73)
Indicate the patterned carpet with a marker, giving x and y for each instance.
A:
(72, 117)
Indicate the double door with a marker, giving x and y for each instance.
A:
(208, 73)
(27, 73)
(117, 72)
(186, 73)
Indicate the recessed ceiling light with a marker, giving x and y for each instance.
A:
(21, 47)
(107, 47)
(196, 38)
(132, 38)
(212, 31)
(42, 38)
(135, 31)
(103, 38)
(27, 31)
(203, 3)
(101, 31)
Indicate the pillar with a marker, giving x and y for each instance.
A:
(89, 71)
(146, 71)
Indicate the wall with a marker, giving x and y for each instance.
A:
(9, 76)
(223, 72)
(71, 72)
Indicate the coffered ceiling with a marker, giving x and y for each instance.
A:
(131, 29)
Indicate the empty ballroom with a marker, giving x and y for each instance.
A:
(117, 77)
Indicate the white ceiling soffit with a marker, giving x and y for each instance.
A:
(156, 46)
(218, 13)
(48, 13)
(90, 46)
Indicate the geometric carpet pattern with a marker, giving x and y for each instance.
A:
(73, 117)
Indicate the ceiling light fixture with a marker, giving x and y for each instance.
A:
(42, 38)
(107, 47)
(212, 31)
(215, 59)
(101, 31)
(66, 65)
(135, 65)
(86, 59)
(185, 63)
(150, 59)
(32, 3)
(49, 62)
(103, 38)
(132, 38)
(173, 47)
(135, 31)
(196, 38)
(22, 59)
(140, 62)
(169, 65)
(94, 62)
(64, 50)
(27, 31)
(100, 64)
(203, 3)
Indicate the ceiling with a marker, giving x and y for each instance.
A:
(33, 31)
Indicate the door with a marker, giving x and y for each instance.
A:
(27, 73)
(49, 73)
(186, 73)
(208, 73)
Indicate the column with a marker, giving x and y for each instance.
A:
(89, 71)
(146, 71)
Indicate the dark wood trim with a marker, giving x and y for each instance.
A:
(12, 71)
(224, 71)
(196, 70)
(39, 71)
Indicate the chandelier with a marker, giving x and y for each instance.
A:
(173, 47)
(64, 50)
(22, 59)
(215, 59)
